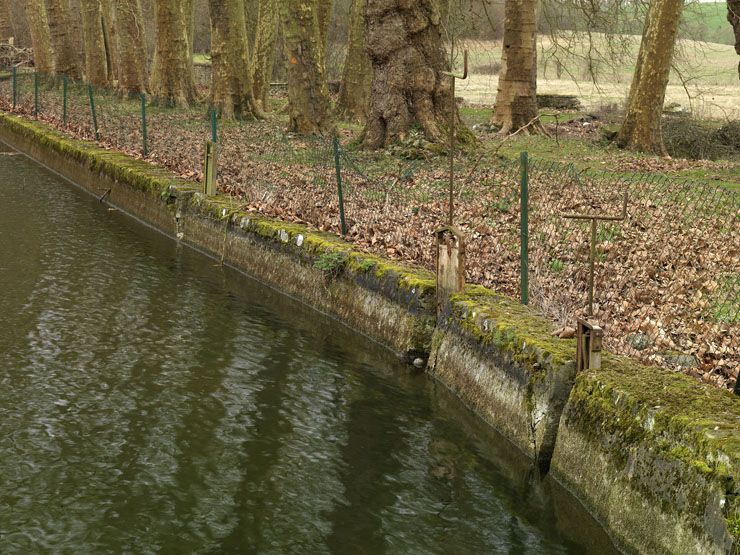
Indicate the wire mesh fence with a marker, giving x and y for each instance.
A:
(666, 279)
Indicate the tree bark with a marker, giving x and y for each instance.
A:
(357, 76)
(308, 95)
(252, 14)
(96, 65)
(43, 56)
(641, 129)
(733, 16)
(131, 47)
(264, 51)
(516, 99)
(231, 87)
(66, 59)
(324, 9)
(404, 42)
(172, 74)
(111, 38)
(6, 22)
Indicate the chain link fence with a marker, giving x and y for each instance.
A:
(667, 277)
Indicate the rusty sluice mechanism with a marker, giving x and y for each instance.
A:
(589, 335)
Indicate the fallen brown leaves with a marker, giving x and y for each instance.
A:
(666, 278)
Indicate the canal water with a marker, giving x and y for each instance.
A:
(151, 401)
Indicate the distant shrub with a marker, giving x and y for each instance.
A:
(685, 137)
(492, 68)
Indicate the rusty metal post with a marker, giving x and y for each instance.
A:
(452, 130)
(592, 256)
(450, 264)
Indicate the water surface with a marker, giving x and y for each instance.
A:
(151, 401)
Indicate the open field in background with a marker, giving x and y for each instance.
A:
(709, 71)
(708, 21)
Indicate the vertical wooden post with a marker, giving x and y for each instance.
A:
(209, 172)
(450, 264)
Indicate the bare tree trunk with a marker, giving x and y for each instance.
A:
(641, 129)
(111, 39)
(172, 74)
(188, 9)
(6, 22)
(308, 95)
(264, 51)
(404, 42)
(43, 56)
(357, 76)
(96, 65)
(252, 15)
(231, 87)
(131, 47)
(66, 59)
(324, 9)
(733, 16)
(516, 100)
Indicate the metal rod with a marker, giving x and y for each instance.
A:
(592, 262)
(452, 125)
(144, 137)
(592, 257)
(36, 94)
(214, 126)
(524, 228)
(92, 111)
(451, 211)
(65, 85)
(15, 87)
(338, 167)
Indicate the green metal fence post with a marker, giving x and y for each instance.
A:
(214, 126)
(36, 94)
(143, 125)
(65, 86)
(92, 111)
(15, 87)
(338, 167)
(524, 228)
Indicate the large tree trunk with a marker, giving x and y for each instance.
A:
(43, 57)
(96, 65)
(6, 22)
(516, 100)
(131, 47)
(111, 39)
(324, 9)
(252, 14)
(172, 74)
(66, 59)
(404, 42)
(231, 87)
(641, 129)
(733, 16)
(357, 76)
(308, 96)
(264, 51)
